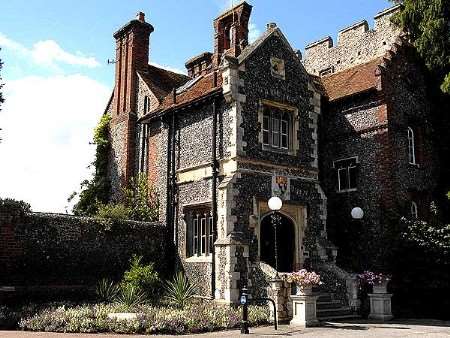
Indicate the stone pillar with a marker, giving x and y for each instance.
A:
(304, 310)
(280, 291)
(231, 268)
(380, 306)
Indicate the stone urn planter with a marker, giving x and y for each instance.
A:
(303, 290)
(304, 303)
(381, 287)
(380, 300)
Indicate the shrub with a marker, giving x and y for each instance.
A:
(201, 316)
(131, 296)
(107, 291)
(114, 212)
(141, 276)
(179, 290)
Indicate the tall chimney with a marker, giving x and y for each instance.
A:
(231, 32)
(132, 55)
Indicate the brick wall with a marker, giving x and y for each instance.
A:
(51, 249)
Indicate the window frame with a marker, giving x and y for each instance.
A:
(414, 210)
(199, 234)
(412, 158)
(274, 133)
(352, 166)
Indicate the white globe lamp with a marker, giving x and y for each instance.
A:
(357, 213)
(275, 203)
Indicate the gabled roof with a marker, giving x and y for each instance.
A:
(201, 87)
(250, 49)
(161, 81)
(351, 81)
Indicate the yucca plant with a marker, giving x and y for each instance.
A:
(179, 291)
(131, 296)
(107, 290)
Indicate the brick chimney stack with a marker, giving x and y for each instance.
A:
(132, 55)
(231, 32)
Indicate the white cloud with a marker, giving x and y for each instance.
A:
(253, 32)
(47, 126)
(48, 53)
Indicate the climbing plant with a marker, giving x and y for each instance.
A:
(96, 191)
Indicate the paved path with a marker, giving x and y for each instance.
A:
(428, 329)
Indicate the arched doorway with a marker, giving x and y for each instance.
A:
(285, 241)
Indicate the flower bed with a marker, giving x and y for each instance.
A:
(201, 316)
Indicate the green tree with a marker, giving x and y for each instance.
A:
(427, 23)
(96, 191)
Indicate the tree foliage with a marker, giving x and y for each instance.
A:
(96, 190)
(139, 202)
(427, 23)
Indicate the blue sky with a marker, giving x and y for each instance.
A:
(57, 79)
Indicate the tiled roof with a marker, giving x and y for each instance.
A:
(162, 81)
(351, 81)
(199, 89)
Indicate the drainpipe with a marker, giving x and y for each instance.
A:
(173, 183)
(214, 167)
(168, 181)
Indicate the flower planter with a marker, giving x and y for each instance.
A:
(380, 288)
(303, 290)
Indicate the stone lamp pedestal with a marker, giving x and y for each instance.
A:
(380, 303)
(304, 308)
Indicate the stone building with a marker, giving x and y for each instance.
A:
(347, 125)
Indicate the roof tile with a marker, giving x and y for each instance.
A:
(351, 81)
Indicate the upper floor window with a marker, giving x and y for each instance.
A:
(200, 232)
(276, 129)
(146, 104)
(227, 37)
(411, 146)
(414, 212)
(347, 171)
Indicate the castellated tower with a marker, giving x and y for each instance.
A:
(356, 45)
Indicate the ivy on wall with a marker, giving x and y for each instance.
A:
(97, 190)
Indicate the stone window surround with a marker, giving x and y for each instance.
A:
(356, 158)
(188, 209)
(293, 128)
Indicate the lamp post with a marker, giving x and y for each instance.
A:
(275, 204)
(357, 213)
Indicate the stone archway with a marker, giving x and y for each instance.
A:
(285, 241)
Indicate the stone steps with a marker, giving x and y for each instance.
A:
(329, 308)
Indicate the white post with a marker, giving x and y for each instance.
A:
(380, 306)
(304, 310)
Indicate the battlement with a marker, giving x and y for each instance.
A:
(356, 44)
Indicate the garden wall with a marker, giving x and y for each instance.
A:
(53, 250)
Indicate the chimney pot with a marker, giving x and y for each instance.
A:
(271, 25)
(140, 16)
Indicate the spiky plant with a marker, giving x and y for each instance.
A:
(107, 291)
(179, 291)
